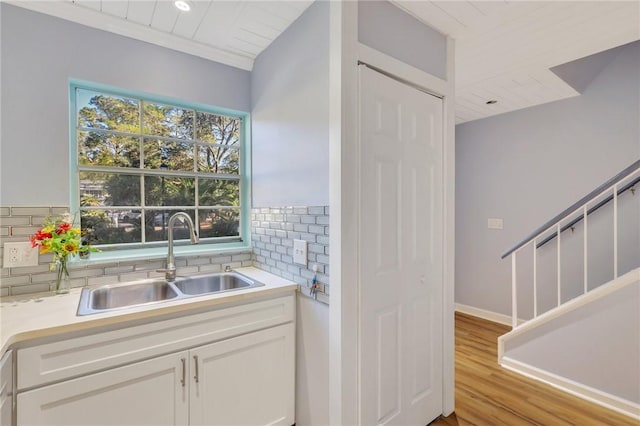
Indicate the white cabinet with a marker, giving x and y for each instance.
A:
(145, 393)
(248, 380)
(6, 389)
(240, 372)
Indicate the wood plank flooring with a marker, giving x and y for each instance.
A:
(487, 394)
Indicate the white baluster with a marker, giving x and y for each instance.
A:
(615, 231)
(535, 278)
(559, 266)
(585, 213)
(514, 296)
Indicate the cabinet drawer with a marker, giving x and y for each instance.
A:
(144, 393)
(73, 357)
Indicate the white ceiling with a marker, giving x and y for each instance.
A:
(504, 49)
(232, 32)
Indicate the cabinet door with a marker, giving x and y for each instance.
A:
(247, 380)
(6, 389)
(145, 393)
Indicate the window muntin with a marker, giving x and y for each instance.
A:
(140, 160)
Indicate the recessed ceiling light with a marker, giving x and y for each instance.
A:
(182, 5)
(491, 102)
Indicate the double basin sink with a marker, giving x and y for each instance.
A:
(110, 297)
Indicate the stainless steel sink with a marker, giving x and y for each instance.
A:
(215, 283)
(118, 296)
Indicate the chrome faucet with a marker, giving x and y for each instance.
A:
(170, 271)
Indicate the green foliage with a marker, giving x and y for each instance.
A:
(126, 134)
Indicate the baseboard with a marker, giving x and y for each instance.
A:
(484, 314)
(612, 402)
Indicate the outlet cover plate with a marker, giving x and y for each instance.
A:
(19, 254)
(300, 252)
(494, 223)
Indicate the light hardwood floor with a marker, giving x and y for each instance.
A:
(487, 394)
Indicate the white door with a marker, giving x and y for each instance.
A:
(247, 380)
(145, 393)
(401, 270)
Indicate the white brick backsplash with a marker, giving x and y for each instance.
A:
(30, 211)
(30, 288)
(25, 220)
(103, 280)
(15, 220)
(41, 278)
(133, 276)
(216, 267)
(198, 261)
(15, 281)
(273, 250)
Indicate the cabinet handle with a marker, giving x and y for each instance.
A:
(195, 360)
(184, 371)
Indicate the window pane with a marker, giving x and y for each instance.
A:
(218, 159)
(110, 112)
(218, 129)
(163, 155)
(106, 189)
(156, 223)
(218, 192)
(169, 191)
(104, 227)
(165, 120)
(107, 149)
(219, 223)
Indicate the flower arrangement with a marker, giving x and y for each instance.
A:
(58, 236)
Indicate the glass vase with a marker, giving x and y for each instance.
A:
(63, 284)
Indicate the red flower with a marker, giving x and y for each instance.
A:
(42, 235)
(64, 227)
(34, 241)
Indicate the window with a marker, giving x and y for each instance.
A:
(140, 160)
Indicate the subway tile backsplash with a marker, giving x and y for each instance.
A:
(273, 230)
(18, 223)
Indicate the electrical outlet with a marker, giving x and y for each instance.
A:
(300, 252)
(19, 254)
(494, 223)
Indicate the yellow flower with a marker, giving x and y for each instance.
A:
(70, 247)
(45, 247)
(48, 229)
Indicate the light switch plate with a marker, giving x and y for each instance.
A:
(300, 252)
(494, 223)
(19, 254)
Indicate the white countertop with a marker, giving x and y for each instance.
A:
(36, 316)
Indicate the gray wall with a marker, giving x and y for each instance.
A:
(41, 53)
(529, 165)
(290, 133)
(597, 345)
(290, 115)
(394, 32)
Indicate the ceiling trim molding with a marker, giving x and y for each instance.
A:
(104, 22)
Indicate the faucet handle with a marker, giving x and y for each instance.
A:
(169, 273)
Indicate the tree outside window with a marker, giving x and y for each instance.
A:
(140, 161)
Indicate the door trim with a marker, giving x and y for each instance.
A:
(345, 52)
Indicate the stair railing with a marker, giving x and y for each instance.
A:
(624, 181)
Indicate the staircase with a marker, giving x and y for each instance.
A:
(575, 331)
